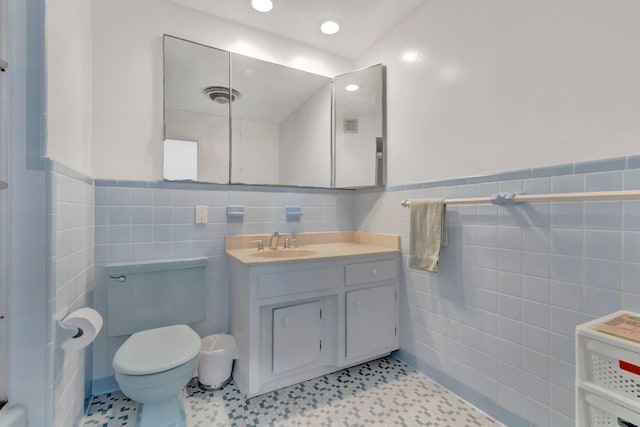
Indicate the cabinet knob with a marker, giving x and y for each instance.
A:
(357, 303)
(374, 271)
(286, 321)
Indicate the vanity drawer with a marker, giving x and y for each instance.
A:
(376, 271)
(295, 282)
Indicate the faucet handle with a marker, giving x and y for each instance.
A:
(260, 244)
(275, 237)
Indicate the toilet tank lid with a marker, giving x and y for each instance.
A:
(156, 350)
(154, 265)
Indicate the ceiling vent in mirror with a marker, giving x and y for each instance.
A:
(221, 94)
(350, 125)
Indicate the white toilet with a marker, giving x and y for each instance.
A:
(153, 366)
(155, 363)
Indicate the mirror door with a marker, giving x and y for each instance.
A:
(281, 125)
(4, 202)
(360, 128)
(230, 118)
(196, 112)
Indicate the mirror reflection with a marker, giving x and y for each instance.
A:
(281, 125)
(360, 133)
(230, 118)
(196, 111)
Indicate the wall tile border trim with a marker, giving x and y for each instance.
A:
(54, 166)
(604, 165)
(633, 162)
(548, 171)
(611, 164)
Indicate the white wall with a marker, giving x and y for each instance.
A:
(254, 152)
(305, 152)
(504, 85)
(127, 78)
(69, 83)
(254, 158)
(356, 153)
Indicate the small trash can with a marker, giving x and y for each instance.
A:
(216, 360)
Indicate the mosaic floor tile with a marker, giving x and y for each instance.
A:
(381, 393)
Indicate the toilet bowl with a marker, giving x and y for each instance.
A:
(152, 367)
(156, 361)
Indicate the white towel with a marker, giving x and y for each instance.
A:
(427, 233)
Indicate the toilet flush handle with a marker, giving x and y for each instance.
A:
(120, 279)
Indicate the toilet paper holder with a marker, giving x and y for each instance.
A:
(63, 332)
(77, 329)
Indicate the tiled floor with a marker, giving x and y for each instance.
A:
(384, 392)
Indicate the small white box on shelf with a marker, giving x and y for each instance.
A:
(608, 370)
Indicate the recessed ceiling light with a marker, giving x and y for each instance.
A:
(262, 5)
(352, 88)
(330, 27)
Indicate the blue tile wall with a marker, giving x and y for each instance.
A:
(495, 325)
(514, 283)
(139, 221)
(71, 213)
(28, 350)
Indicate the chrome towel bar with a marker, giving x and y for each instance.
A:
(512, 198)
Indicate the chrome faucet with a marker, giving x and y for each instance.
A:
(273, 243)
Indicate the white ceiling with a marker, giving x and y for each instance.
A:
(362, 21)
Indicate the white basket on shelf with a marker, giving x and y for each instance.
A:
(601, 412)
(607, 377)
(613, 368)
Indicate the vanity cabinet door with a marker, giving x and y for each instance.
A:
(371, 320)
(297, 334)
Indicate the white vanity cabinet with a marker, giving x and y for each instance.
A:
(298, 320)
(371, 321)
(297, 336)
(371, 307)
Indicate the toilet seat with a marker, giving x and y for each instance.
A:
(157, 350)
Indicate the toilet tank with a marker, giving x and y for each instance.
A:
(151, 294)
